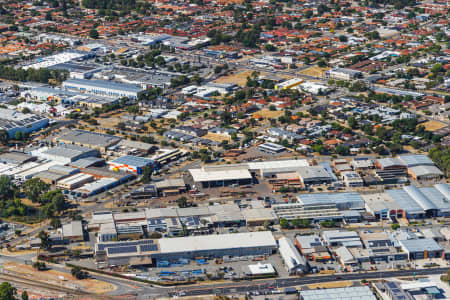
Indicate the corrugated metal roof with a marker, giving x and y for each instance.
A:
(348, 293)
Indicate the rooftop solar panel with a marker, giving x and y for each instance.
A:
(151, 247)
(125, 249)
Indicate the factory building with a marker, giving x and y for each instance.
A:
(216, 176)
(167, 249)
(293, 261)
(89, 139)
(421, 248)
(13, 121)
(66, 154)
(104, 88)
(131, 164)
(423, 202)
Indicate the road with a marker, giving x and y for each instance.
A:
(262, 285)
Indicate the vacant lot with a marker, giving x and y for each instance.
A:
(433, 125)
(268, 114)
(315, 71)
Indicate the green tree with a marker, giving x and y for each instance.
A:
(182, 202)
(93, 34)
(147, 174)
(4, 137)
(395, 226)
(24, 295)
(55, 223)
(34, 188)
(46, 242)
(7, 291)
(78, 273)
(284, 223)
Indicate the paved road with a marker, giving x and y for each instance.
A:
(248, 286)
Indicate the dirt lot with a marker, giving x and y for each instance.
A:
(55, 277)
(330, 285)
(268, 114)
(433, 125)
(217, 137)
(314, 71)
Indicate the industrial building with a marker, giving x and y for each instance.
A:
(74, 181)
(89, 139)
(293, 261)
(342, 201)
(288, 84)
(104, 88)
(67, 153)
(343, 73)
(167, 249)
(421, 248)
(226, 175)
(422, 202)
(73, 231)
(131, 164)
(312, 247)
(345, 238)
(347, 293)
(13, 121)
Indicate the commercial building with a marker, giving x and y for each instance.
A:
(58, 58)
(215, 176)
(293, 261)
(170, 186)
(414, 160)
(66, 154)
(13, 121)
(168, 249)
(311, 247)
(347, 293)
(261, 269)
(314, 175)
(425, 172)
(343, 74)
(89, 139)
(421, 248)
(423, 202)
(342, 201)
(341, 238)
(74, 181)
(316, 213)
(285, 85)
(271, 148)
(103, 88)
(98, 186)
(73, 231)
(131, 164)
(352, 179)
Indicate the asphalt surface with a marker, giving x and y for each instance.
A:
(270, 284)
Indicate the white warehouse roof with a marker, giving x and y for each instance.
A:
(202, 175)
(217, 242)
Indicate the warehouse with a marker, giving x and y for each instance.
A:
(73, 231)
(189, 247)
(352, 179)
(170, 186)
(293, 261)
(131, 164)
(314, 175)
(390, 163)
(89, 139)
(285, 85)
(415, 160)
(66, 154)
(342, 201)
(335, 238)
(97, 187)
(226, 175)
(425, 172)
(316, 213)
(74, 181)
(13, 121)
(423, 202)
(347, 293)
(421, 248)
(103, 88)
(56, 173)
